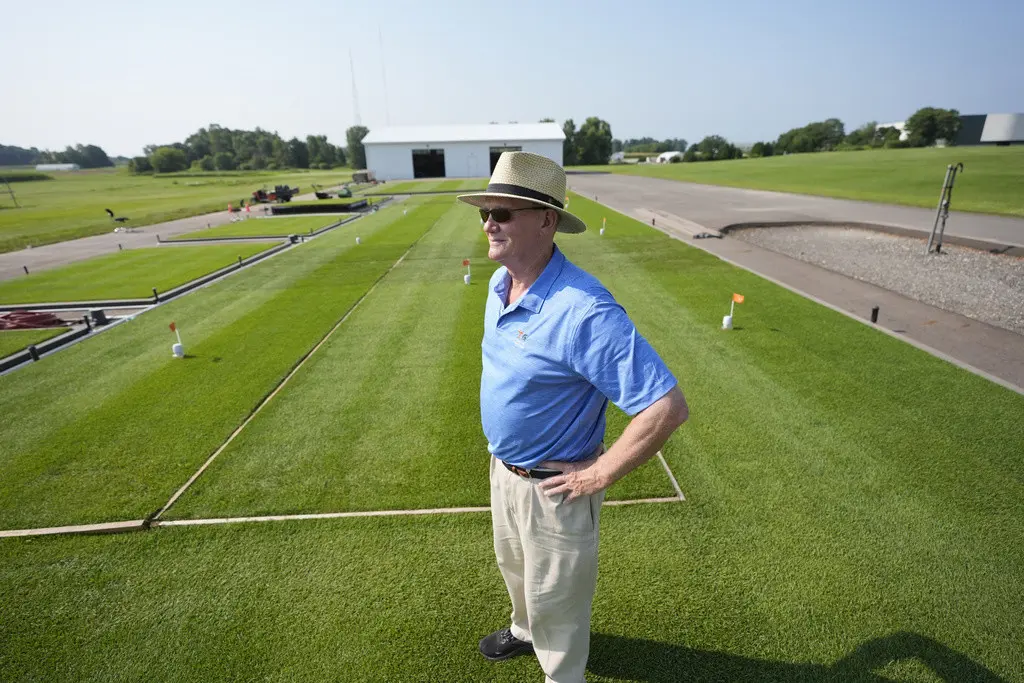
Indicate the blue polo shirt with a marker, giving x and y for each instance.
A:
(552, 361)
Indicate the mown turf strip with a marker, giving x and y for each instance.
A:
(434, 185)
(12, 341)
(130, 274)
(336, 201)
(991, 181)
(109, 428)
(685, 592)
(390, 401)
(72, 204)
(285, 225)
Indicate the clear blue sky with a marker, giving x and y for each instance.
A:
(125, 73)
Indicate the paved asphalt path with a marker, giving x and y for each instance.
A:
(62, 253)
(995, 352)
(717, 207)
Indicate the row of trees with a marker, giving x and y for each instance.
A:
(86, 156)
(649, 145)
(924, 128)
(223, 149)
(591, 144)
(712, 148)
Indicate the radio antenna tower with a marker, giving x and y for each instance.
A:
(384, 78)
(355, 95)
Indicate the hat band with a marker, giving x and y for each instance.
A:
(524, 192)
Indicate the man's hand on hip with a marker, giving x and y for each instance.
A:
(577, 479)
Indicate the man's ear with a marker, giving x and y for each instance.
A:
(550, 220)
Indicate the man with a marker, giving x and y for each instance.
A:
(556, 348)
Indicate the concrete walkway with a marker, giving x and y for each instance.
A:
(62, 253)
(995, 352)
(717, 207)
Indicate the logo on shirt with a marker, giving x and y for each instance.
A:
(520, 339)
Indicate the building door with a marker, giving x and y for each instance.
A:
(496, 152)
(428, 163)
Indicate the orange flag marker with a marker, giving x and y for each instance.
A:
(727, 320)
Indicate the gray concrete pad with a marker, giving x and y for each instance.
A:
(991, 351)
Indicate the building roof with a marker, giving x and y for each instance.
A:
(1003, 128)
(494, 132)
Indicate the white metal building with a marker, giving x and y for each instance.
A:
(57, 167)
(405, 152)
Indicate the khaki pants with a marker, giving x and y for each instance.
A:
(547, 554)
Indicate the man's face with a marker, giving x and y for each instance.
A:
(524, 237)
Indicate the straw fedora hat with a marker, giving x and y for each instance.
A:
(522, 175)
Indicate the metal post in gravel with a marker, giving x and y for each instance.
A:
(942, 212)
(938, 211)
(949, 198)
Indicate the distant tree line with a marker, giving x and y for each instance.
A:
(86, 156)
(649, 145)
(924, 128)
(222, 149)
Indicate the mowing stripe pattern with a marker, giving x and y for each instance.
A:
(277, 389)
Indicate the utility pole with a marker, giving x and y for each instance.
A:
(355, 95)
(384, 78)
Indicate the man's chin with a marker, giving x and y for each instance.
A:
(495, 253)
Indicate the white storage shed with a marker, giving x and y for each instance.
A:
(406, 152)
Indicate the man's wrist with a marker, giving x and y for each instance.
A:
(605, 478)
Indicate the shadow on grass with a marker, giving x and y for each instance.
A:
(648, 660)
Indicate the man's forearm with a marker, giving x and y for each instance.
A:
(645, 434)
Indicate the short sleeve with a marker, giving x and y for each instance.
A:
(609, 353)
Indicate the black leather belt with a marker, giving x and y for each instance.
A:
(529, 474)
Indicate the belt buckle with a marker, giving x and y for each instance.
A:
(524, 473)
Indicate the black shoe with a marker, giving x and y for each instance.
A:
(503, 645)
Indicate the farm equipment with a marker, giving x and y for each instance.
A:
(281, 194)
(320, 194)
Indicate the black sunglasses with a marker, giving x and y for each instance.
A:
(503, 215)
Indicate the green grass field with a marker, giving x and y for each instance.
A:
(991, 182)
(12, 341)
(854, 505)
(432, 185)
(283, 225)
(73, 204)
(334, 201)
(126, 274)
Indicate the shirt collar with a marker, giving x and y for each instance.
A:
(535, 296)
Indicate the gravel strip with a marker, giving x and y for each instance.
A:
(976, 284)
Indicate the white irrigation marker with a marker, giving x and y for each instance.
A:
(675, 484)
(102, 528)
(320, 515)
(370, 513)
(141, 524)
(280, 386)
